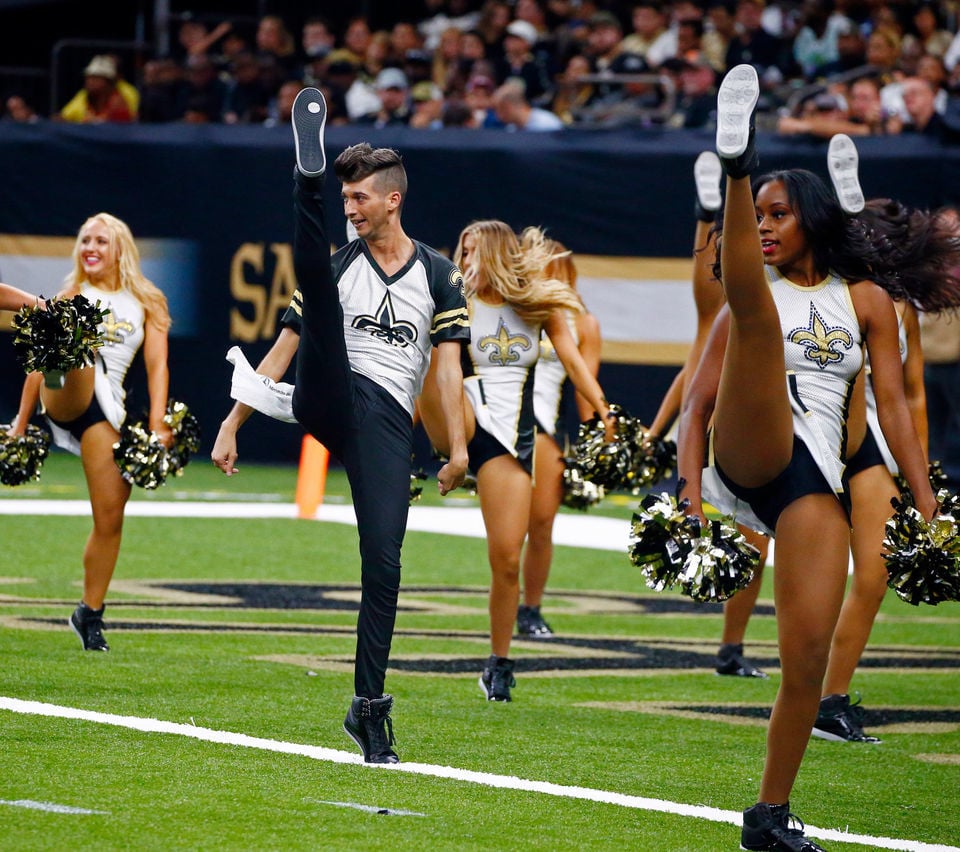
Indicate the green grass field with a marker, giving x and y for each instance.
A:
(245, 626)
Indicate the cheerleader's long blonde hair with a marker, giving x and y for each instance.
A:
(132, 278)
(516, 269)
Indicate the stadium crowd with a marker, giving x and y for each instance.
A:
(859, 67)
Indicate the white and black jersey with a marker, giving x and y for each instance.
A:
(391, 323)
(823, 353)
(498, 370)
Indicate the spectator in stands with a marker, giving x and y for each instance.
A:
(427, 105)
(342, 75)
(753, 45)
(100, 99)
(479, 98)
(519, 62)
(445, 68)
(919, 98)
(194, 38)
(453, 14)
(456, 113)
(202, 99)
(417, 64)
(162, 96)
(544, 48)
(245, 100)
(851, 50)
(20, 111)
(863, 115)
(393, 90)
(927, 31)
(651, 37)
(317, 38)
(605, 49)
(404, 37)
(473, 50)
(719, 31)
(516, 112)
(932, 69)
(815, 45)
(696, 82)
(280, 109)
(495, 15)
(689, 39)
(356, 39)
(275, 40)
(379, 54)
(572, 93)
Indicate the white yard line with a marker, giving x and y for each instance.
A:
(49, 807)
(572, 530)
(506, 782)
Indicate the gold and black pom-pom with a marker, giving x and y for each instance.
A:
(143, 459)
(64, 335)
(606, 464)
(652, 459)
(719, 565)
(579, 492)
(671, 549)
(186, 435)
(923, 557)
(21, 457)
(663, 536)
(417, 477)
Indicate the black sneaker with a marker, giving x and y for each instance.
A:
(736, 100)
(369, 724)
(497, 678)
(840, 721)
(308, 117)
(730, 661)
(707, 172)
(531, 623)
(88, 625)
(774, 827)
(843, 163)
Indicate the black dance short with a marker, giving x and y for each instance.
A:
(800, 478)
(484, 447)
(76, 427)
(867, 456)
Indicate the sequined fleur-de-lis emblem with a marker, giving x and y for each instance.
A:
(821, 344)
(386, 326)
(115, 330)
(502, 345)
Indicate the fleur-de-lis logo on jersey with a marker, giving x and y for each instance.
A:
(115, 330)
(386, 326)
(501, 345)
(821, 344)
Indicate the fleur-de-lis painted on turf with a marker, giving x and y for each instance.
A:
(501, 345)
(386, 326)
(821, 344)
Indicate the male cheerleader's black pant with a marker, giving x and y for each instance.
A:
(362, 425)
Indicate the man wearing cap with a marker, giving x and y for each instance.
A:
(341, 73)
(427, 99)
(696, 104)
(100, 99)
(393, 89)
(519, 61)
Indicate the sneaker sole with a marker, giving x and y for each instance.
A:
(826, 735)
(707, 173)
(842, 163)
(309, 115)
(736, 100)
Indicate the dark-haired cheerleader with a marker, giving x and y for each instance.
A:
(804, 294)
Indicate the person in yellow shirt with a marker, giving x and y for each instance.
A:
(104, 96)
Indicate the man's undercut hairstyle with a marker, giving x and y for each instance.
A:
(362, 160)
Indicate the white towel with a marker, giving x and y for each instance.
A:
(275, 399)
